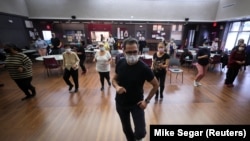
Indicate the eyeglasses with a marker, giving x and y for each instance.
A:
(131, 52)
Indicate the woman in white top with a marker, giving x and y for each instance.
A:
(42, 46)
(171, 48)
(215, 45)
(103, 59)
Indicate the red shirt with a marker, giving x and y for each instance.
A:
(236, 56)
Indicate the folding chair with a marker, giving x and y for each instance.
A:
(174, 67)
(51, 63)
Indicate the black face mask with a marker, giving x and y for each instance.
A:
(7, 50)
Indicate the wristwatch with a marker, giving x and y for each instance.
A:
(147, 100)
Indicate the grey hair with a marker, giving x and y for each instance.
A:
(129, 41)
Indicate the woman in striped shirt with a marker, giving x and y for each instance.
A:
(19, 67)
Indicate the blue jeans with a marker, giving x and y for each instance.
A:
(138, 119)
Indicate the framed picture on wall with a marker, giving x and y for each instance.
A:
(74, 35)
(154, 27)
(180, 28)
(28, 24)
(159, 27)
(138, 33)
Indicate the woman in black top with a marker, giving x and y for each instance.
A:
(82, 56)
(160, 63)
(202, 56)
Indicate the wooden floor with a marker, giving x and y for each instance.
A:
(90, 115)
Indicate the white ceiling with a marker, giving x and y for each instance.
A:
(139, 10)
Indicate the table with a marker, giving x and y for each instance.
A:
(58, 57)
(91, 51)
(213, 54)
(146, 56)
(193, 52)
(29, 51)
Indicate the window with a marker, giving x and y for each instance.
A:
(47, 35)
(246, 26)
(230, 43)
(243, 35)
(238, 30)
(235, 26)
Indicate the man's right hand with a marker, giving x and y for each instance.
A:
(120, 90)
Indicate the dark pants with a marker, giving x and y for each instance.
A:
(104, 75)
(82, 60)
(74, 74)
(231, 75)
(161, 79)
(138, 119)
(140, 50)
(56, 51)
(25, 85)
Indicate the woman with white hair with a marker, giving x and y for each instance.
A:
(215, 46)
(103, 59)
(171, 48)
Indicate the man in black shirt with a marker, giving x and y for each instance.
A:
(82, 56)
(142, 44)
(129, 78)
(56, 44)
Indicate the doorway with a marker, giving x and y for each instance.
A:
(96, 35)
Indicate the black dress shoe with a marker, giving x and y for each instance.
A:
(33, 90)
(161, 97)
(102, 88)
(26, 97)
(70, 87)
(76, 90)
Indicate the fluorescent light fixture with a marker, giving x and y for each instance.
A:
(228, 5)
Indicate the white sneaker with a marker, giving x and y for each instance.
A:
(198, 83)
(195, 84)
(140, 140)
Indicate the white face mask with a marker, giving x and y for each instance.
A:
(161, 49)
(102, 48)
(68, 50)
(132, 59)
(241, 48)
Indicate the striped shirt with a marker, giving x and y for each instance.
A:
(14, 61)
